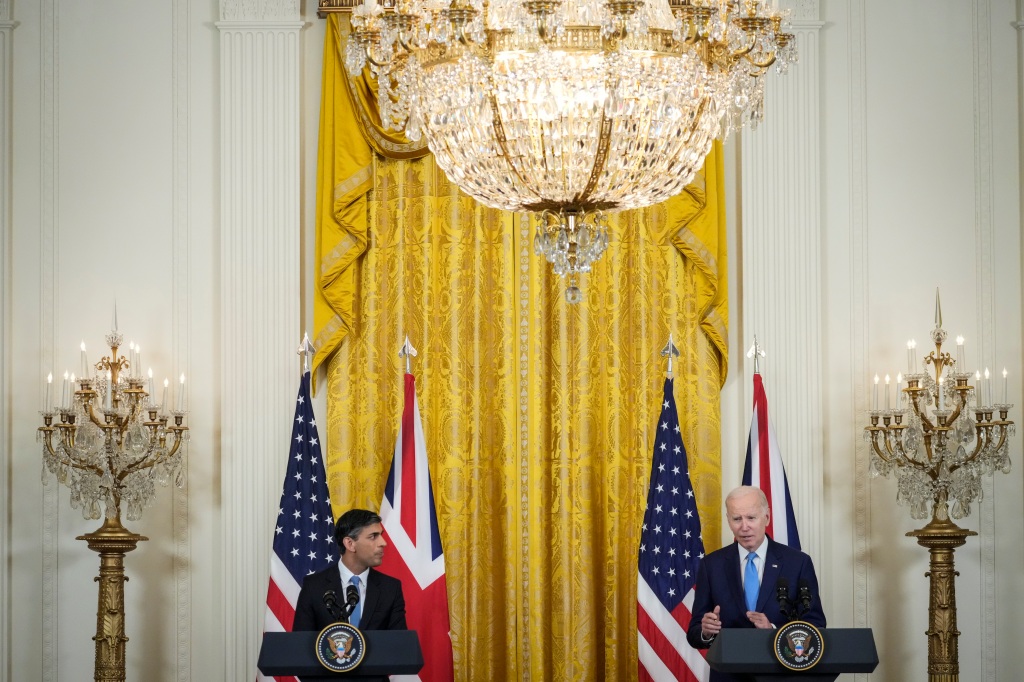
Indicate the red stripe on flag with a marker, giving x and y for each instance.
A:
(279, 606)
(408, 518)
(662, 647)
(763, 448)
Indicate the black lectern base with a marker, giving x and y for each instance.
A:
(745, 651)
(796, 677)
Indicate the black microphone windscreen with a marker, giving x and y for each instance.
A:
(782, 584)
(352, 595)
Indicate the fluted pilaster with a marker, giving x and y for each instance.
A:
(780, 268)
(260, 298)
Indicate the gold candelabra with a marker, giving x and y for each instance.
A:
(109, 442)
(940, 439)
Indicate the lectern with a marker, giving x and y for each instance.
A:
(747, 651)
(388, 652)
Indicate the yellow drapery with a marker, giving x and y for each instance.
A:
(538, 415)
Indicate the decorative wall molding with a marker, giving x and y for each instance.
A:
(781, 256)
(49, 253)
(6, 315)
(259, 10)
(260, 309)
(803, 10)
(859, 250)
(181, 307)
(984, 209)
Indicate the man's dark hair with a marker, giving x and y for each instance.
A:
(351, 524)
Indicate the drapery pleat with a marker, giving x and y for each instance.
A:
(539, 416)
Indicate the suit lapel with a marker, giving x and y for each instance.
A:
(373, 595)
(735, 575)
(772, 569)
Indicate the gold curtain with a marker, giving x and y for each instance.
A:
(539, 416)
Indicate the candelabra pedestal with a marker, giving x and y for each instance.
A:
(112, 541)
(941, 536)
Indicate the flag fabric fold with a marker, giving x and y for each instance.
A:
(304, 531)
(414, 555)
(671, 548)
(764, 469)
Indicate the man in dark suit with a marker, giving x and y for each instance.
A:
(381, 606)
(737, 585)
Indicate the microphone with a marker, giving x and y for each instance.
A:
(804, 595)
(351, 599)
(331, 602)
(782, 595)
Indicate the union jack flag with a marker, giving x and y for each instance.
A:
(410, 528)
(671, 549)
(764, 469)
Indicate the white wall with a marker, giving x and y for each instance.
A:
(889, 164)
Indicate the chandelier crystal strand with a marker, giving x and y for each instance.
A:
(109, 441)
(569, 108)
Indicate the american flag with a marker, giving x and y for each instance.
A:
(764, 469)
(670, 552)
(415, 556)
(304, 532)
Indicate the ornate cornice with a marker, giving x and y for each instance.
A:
(258, 10)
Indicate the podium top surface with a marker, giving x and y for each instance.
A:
(747, 650)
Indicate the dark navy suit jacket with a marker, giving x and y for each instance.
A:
(719, 584)
(384, 608)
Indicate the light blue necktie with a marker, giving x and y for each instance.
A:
(750, 582)
(357, 613)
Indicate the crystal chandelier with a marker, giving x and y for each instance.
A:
(109, 441)
(568, 108)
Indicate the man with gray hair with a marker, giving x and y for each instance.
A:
(738, 585)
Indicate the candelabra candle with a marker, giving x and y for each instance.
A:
(942, 397)
(152, 395)
(108, 397)
(874, 400)
(1005, 392)
(181, 394)
(85, 363)
(899, 392)
(64, 393)
(887, 391)
(910, 357)
(988, 389)
(960, 364)
(163, 401)
(49, 385)
(71, 392)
